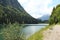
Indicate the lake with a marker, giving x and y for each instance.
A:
(30, 29)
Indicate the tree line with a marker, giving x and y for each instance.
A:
(55, 16)
(11, 15)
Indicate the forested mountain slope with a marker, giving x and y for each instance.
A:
(55, 16)
(11, 11)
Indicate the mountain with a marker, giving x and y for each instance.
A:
(44, 17)
(13, 3)
(11, 11)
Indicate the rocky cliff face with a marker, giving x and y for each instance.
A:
(13, 3)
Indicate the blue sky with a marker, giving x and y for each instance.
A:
(38, 8)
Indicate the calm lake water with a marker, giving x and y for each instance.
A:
(30, 29)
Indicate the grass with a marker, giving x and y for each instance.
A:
(1, 38)
(11, 32)
(39, 35)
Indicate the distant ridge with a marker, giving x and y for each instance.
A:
(44, 17)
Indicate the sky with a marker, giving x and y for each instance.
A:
(38, 8)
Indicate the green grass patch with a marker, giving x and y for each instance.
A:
(39, 35)
(12, 32)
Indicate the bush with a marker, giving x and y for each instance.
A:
(12, 32)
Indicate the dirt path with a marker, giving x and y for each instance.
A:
(53, 34)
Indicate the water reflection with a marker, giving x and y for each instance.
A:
(31, 29)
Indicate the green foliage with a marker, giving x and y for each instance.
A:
(12, 32)
(9, 14)
(36, 36)
(55, 16)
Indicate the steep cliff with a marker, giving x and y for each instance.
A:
(13, 3)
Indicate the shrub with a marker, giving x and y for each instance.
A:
(12, 32)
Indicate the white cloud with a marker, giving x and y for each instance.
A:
(37, 8)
